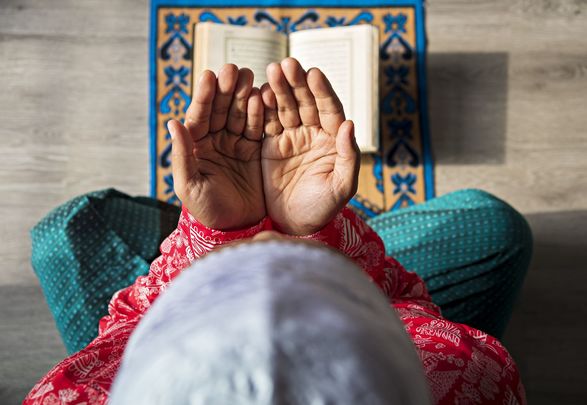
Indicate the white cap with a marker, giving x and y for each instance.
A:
(271, 323)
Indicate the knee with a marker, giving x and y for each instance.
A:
(503, 222)
(508, 226)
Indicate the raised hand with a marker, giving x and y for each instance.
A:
(216, 154)
(310, 158)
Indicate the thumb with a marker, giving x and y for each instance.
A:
(348, 159)
(183, 161)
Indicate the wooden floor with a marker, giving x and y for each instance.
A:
(508, 104)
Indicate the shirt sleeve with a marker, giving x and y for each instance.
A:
(87, 375)
(462, 364)
(354, 238)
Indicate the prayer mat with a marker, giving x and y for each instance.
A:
(400, 174)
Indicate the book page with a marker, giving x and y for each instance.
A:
(255, 48)
(345, 55)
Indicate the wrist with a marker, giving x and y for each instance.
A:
(202, 239)
(218, 219)
(295, 230)
(300, 229)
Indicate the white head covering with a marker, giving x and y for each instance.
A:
(271, 323)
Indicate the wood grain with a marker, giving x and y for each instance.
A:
(508, 89)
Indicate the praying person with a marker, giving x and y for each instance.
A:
(280, 322)
(281, 163)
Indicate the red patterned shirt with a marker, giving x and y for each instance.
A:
(461, 364)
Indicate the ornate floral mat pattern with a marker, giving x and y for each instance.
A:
(401, 174)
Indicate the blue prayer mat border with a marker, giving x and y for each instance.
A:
(418, 6)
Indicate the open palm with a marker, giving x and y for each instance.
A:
(216, 154)
(310, 159)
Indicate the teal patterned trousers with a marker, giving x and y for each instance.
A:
(471, 249)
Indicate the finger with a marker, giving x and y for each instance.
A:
(224, 91)
(296, 78)
(237, 115)
(348, 160)
(254, 126)
(183, 161)
(287, 108)
(271, 124)
(197, 119)
(329, 106)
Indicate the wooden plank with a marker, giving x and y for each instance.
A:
(73, 118)
(73, 111)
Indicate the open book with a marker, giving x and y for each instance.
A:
(348, 56)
